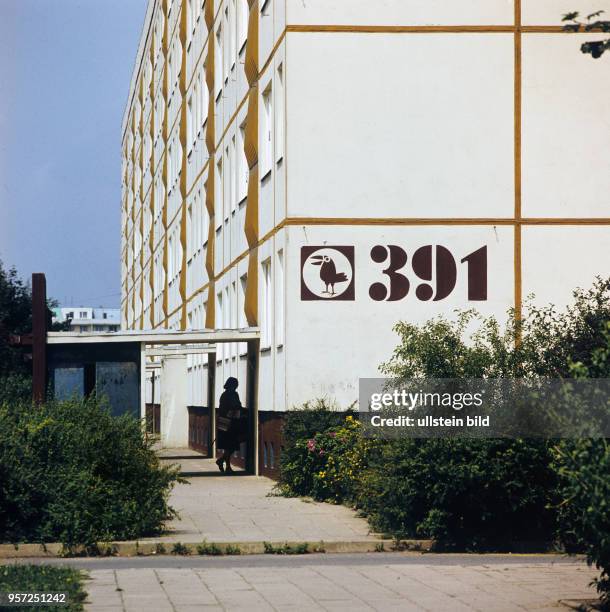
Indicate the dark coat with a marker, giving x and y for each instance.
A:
(230, 407)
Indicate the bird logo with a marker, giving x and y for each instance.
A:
(327, 273)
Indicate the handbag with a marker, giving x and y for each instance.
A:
(223, 423)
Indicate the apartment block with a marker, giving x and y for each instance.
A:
(322, 169)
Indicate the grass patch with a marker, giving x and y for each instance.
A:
(205, 548)
(232, 550)
(180, 549)
(286, 549)
(44, 579)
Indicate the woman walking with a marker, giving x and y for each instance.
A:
(229, 425)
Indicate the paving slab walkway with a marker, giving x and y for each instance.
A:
(242, 508)
(381, 584)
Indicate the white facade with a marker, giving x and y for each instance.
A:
(87, 319)
(255, 130)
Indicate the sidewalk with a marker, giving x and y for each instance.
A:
(385, 585)
(239, 508)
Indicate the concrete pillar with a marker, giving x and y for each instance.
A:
(174, 412)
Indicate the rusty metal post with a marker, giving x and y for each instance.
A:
(252, 404)
(212, 446)
(39, 337)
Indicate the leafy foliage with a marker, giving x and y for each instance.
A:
(16, 319)
(326, 466)
(286, 549)
(583, 467)
(465, 494)
(71, 472)
(551, 341)
(470, 493)
(310, 419)
(593, 23)
(44, 579)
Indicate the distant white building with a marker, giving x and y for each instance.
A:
(86, 319)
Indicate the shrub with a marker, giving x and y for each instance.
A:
(298, 465)
(232, 549)
(312, 418)
(286, 549)
(72, 472)
(473, 493)
(206, 548)
(180, 549)
(465, 494)
(15, 388)
(583, 467)
(328, 465)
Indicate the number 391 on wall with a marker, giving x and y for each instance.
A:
(327, 273)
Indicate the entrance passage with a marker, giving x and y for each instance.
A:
(200, 430)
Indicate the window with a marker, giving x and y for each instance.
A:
(279, 116)
(243, 281)
(170, 169)
(233, 305)
(242, 24)
(266, 134)
(202, 100)
(242, 171)
(170, 72)
(218, 63)
(190, 21)
(105, 315)
(83, 314)
(226, 322)
(218, 189)
(170, 262)
(219, 319)
(190, 247)
(226, 54)
(190, 124)
(232, 33)
(267, 308)
(232, 175)
(279, 316)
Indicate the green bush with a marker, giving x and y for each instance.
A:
(465, 494)
(583, 467)
(326, 466)
(312, 418)
(472, 493)
(72, 472)
(15, 388)
(301, 425)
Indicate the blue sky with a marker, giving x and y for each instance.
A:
(65, 68)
